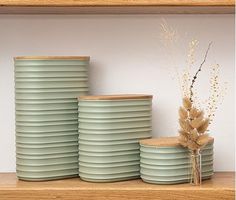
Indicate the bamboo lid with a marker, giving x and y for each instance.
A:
(52, 58)
(116, 97)
(165, 142)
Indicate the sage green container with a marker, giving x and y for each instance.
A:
(165, 161)
(46, 91)
(110, 128)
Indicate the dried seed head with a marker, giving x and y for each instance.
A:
(204, 126)
(184, 133)
(185, 125)
(202, 140)
(194, 135)
(200, 113)
(183, 138)
(183, 113)
(193, 112)
(197, 122)
(192, 145)
(187, 103)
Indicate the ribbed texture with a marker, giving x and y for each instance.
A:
(109, 134)
(171, 165)
(46, 105)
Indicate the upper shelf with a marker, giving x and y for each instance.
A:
(116, 6)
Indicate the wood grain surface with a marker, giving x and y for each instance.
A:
(221, 187)
(52, 58)
(116, 97)
(116, 6)
(165, 142)
(117, 3)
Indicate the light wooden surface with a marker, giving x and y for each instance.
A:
(115, 6)
(165, 142)
(52, 58)
(220, 187)
(117, 3)
(116, 97)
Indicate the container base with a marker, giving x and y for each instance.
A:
(47, 179)
(171, 182)
(109, 180)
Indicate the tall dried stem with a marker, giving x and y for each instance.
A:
(199, 69)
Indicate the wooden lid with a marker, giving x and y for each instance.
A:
(52, 58)
(116, 97)
(165, 142)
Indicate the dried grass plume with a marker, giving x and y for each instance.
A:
(193, 126)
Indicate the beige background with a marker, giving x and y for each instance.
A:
(126, 57)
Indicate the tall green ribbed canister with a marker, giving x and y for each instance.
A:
(110, 128)
(46, 91)
(165, 161)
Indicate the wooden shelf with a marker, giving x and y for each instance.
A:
(221, 186)
(115, 6)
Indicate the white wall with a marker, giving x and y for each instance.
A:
(126, 57)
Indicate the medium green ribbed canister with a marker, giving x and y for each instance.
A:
(165, 161)
(46, 91)
(110, 128)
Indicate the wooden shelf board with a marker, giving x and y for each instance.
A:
(115, 6)
(117, 2)
(221, 186)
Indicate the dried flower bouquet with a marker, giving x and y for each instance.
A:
(193, 122)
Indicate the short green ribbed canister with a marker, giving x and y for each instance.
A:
(165, 161)
(46, 91)
(110, 128)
